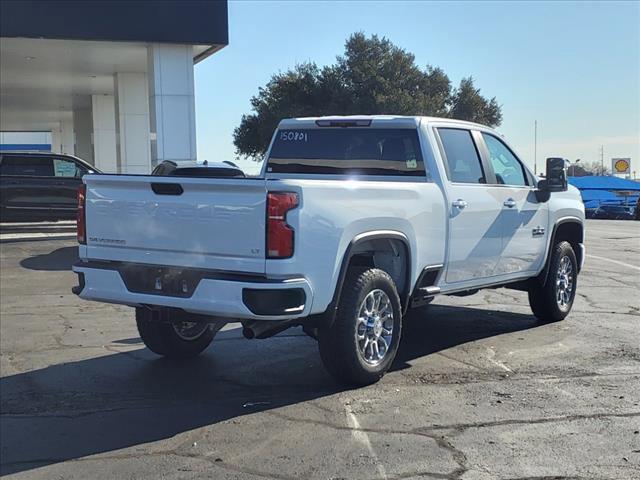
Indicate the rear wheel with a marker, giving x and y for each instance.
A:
(553, 301)
(360, 346)
(181, 337)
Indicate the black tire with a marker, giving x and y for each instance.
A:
(339, 347)
(161, 337)
(544, 298)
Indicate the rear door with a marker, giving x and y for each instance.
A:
(525, 220)
(475, 230)
(27, 182)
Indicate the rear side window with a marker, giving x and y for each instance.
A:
(349, 151)
(463, 161)
(27, 166)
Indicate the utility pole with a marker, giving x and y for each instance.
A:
(535, 148)
(572, 167)
(602, 160)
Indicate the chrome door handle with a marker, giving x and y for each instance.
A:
(459, 203)
(510, 202)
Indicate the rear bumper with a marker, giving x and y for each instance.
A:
(220, 295)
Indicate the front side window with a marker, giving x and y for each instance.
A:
(27, 166)
(351, 151)
(506, 166)
(463, 161)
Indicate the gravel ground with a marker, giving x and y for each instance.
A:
(480, 390)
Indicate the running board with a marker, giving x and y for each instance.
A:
(423, 295)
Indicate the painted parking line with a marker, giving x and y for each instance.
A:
(613, 261)
(361, 437)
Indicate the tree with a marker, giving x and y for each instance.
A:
(468, 104)
(595, 168)
(373, 76)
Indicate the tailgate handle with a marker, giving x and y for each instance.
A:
(167, 188)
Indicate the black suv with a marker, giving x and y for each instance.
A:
(38, 186)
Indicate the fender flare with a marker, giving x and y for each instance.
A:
(329, 314)
(544, 274)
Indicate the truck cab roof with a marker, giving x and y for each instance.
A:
(387, 121)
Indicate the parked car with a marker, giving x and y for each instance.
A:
(590, 212)
(208, 169)
(353, 221)
(614, 212)
(37, 186)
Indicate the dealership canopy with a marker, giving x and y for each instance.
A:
(111, 81)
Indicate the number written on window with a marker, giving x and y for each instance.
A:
(293, 136)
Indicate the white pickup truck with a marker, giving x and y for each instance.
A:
(353, 221)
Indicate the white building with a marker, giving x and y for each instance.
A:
(109, 81)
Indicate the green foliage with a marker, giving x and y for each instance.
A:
(372, 77)
(468, 104)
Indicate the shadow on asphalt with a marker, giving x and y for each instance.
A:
(57, 260)
(71, 410)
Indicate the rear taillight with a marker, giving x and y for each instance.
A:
(279, 233)
(81, 217)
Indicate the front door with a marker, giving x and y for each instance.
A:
(475, 218)
(525, 220)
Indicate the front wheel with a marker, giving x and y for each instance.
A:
(173, 337)
(552, 302)
(360, 346)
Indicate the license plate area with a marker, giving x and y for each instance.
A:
(166, 281)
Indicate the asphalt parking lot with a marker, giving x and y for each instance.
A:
(479, 391)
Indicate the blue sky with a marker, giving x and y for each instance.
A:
(572, 66)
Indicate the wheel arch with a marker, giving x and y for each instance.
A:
(375, 249)
(570, 229)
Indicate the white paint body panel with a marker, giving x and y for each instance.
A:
(219, 225)
(211, 297)
(475, 234)
(334, 212)
(216, 224)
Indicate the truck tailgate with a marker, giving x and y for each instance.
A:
(209, 223)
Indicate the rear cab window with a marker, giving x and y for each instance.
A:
(347, 151)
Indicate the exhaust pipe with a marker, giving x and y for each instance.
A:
(264, 328)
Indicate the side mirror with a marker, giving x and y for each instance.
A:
(556, 175)
(556, 179)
